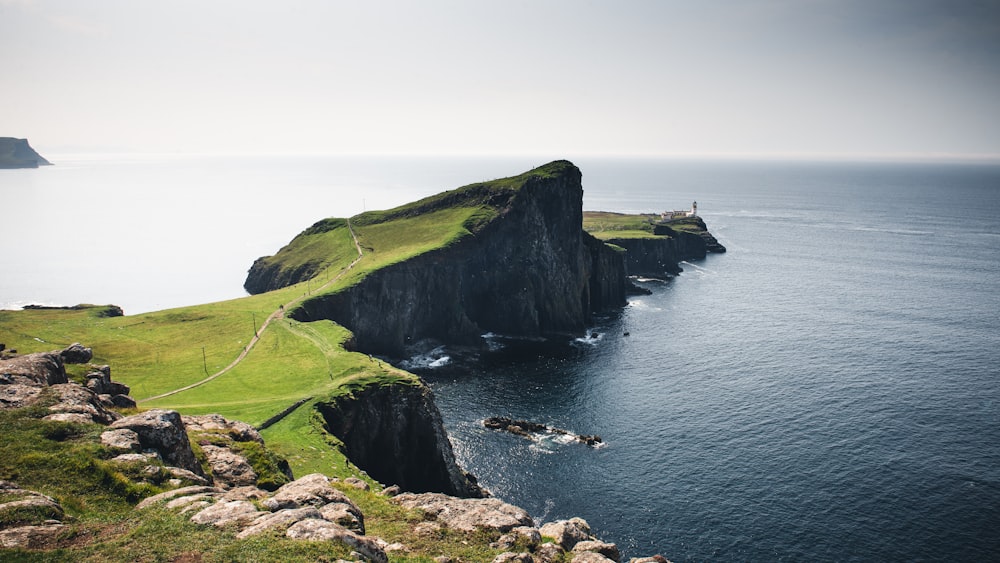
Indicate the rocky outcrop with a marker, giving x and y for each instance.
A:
(163, 431)
(396, 435)
(309, 508)
(17, 153)
(27, 379)
(530, 271)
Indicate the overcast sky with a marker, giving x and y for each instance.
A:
(768, 77)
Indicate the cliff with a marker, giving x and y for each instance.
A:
(17, 153)
(523, 266)
(395, 433)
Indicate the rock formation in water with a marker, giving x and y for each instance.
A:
(17, 153)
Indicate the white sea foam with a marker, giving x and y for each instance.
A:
(428, 360)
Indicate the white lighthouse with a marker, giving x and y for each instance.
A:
(694, 209)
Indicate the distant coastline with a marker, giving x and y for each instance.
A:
(17, 153)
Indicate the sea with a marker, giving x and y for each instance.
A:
(827, 390)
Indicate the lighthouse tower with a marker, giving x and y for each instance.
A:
(694, 209)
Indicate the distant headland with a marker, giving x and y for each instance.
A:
(17, 153)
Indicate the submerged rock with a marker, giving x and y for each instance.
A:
(531, 430)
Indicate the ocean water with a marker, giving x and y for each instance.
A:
(825, 391)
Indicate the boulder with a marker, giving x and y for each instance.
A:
(229, 469)
(320, 530)
(467, 514)
(280, 519)
(163, 431)
(176, 493)
(76, 353)
(347, 515)
(123, 401)
(653, 559)
(223, 513)
(217, 424)
(608, 550)
(567, 533)
(74, 417)
(310, 490)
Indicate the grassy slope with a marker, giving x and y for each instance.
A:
(165, 350)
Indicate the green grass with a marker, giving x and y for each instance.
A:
(606, 225)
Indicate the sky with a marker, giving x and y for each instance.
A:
(768, 78)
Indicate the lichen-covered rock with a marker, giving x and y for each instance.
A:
(163, 431)
(467, 514)
(280, 519)
(310, 490)
(608, 550)
(217, 424)
(567, 532)
(321, 530)
(121, 439)
(74, 417)
(229, 469)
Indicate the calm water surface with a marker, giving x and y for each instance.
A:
(827, 390)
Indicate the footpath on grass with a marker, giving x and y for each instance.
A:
(279, 314)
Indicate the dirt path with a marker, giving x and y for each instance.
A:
(279, 314)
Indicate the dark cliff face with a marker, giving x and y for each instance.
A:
(532, 271)
(396, 435)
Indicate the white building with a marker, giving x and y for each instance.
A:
(675, 214)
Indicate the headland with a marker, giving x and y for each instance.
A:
(511, 256)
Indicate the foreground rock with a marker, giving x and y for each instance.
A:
(28, 519)
(309, 508)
